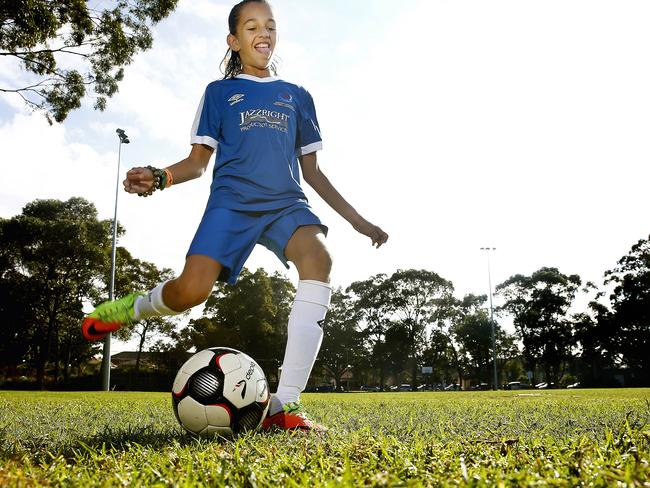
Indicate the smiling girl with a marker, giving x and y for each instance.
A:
(265, 133)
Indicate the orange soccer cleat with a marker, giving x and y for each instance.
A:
(292, 417)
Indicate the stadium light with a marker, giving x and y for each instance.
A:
(494, 341)
(106, 359)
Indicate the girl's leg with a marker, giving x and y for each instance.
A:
(307, 250)
(194, 285)
(191, 288)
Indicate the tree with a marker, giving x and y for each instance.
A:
(595, 352)
(539, 304)
(14, 311)
(50, 38)
(342, 346)
(55, 253)
(472, 331)
(133, 274)
(400, 308)
(629, 323)
(439, 356)
(373, 307)
(419, 298)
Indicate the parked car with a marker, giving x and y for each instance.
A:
(322, 389)
(545, 386)
(481, 386)
(574, 385)
(425, 388)
(370, 388)
(404, 387)
(452, 387)
(517, 385)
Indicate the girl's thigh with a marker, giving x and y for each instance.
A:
(195, 283)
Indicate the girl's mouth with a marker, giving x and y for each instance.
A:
(263, 48)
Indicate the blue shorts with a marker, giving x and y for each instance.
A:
(229, 236)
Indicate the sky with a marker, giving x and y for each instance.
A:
(454, 125)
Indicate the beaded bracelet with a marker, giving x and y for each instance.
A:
(161, 180)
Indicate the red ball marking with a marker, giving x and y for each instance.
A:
(180, 393)
(216, 360)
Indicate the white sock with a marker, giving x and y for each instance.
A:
(304, 337)
(152, 305)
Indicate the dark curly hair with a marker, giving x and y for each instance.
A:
(231, 61)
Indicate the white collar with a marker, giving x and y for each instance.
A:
(266, 79)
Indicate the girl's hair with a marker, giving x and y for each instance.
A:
(231, 60)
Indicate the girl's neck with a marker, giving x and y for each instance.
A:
(253, 71)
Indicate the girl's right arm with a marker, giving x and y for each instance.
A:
(140, 180)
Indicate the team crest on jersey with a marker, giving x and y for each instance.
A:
(285, 97)
(239, 97)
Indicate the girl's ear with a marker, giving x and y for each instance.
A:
(233, 43)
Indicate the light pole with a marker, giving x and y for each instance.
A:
(106, 359)
(494, 341)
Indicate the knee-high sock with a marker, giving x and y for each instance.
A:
(304, 337)
(152, 305)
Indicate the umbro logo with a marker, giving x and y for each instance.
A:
(239, 97)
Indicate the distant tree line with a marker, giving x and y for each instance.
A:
(55, 260)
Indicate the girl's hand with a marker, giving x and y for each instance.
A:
(375, 233)
(138, 180)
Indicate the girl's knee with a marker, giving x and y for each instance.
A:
(316, 264)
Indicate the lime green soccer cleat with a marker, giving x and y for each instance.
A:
(110, 316)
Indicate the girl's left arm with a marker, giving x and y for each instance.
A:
(322, 185)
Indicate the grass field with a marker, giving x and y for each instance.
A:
(550, 438)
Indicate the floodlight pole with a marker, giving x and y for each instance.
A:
(494, 342)
(106, 359)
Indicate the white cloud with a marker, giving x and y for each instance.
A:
(40, 162)
(206, 11)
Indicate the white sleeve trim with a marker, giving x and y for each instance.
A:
(310, 148)
(194, 137)
(207, 140)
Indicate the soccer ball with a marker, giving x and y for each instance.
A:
(220, 391)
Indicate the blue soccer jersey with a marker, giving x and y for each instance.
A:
(259, 127)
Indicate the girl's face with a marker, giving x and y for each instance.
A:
(255, 39)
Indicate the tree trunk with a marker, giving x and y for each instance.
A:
(140, 346)
(56, 352)
(382, 378)
(414, 382)
(42, 356)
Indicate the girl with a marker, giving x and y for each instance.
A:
(262, 128)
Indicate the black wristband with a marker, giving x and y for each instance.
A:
(159, 181)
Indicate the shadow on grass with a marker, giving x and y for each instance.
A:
(110, 440)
